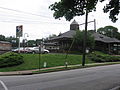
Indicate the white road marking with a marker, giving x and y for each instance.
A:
(5, 87)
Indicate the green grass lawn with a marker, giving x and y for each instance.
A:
(31, 61)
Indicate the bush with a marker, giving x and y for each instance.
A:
(101, 57)
(94, 57)
(10, 59)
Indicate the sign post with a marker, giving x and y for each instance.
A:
(19, 33)
(39, 55)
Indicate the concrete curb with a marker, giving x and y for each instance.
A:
(25, 72)
(15, 73)
(30, 72)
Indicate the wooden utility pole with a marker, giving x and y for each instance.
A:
(85, 38)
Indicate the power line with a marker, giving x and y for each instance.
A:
(14, 16)
(23, 20)
(11, 19)
(14, 19)
(19, 11)
(18, 18)
(87, 22)
(29, 22)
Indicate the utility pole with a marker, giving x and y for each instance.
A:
(95, 25)
(39, 55)
(19, 46)
(85, 37)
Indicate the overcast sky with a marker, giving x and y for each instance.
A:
(37, 19)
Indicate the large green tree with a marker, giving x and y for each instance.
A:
(78, 40)
(109, 31)
(72, 8)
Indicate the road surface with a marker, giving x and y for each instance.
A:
(94, 78)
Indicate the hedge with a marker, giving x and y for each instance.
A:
(101, 57)
(10, 59)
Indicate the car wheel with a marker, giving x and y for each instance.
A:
(45, 52)
(33, 52)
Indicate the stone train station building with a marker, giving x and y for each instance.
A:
(102, 42)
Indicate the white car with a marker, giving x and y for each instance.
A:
(36, 50)
(22, 50)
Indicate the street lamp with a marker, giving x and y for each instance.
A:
(25, 39)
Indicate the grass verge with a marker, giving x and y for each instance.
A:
(31, 61)
(70, 67)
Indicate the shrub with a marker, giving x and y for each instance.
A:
(101, 57)
(10, 59)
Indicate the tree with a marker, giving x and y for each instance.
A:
(49, 37)
(72, 8)
(2, 38)
(14, 41)
(39, 41)
(90, 42)
(101, 31)
(113, 8)
(52, 36)
(109, 31)
(31, 43)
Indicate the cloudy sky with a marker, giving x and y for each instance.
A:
(37, 19)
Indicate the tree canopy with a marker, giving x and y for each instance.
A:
(109, 31)
(2, 38)
(79, 39)
(12, 40)
(72, 8)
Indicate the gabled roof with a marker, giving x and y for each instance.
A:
(105, 39)
(98, 37)
(69, 34)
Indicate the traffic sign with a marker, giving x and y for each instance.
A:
(19, 31)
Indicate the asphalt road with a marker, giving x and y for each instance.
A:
(95, 78)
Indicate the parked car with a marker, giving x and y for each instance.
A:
(36, 50)
(22, 50)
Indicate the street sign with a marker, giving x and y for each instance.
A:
(19, 31)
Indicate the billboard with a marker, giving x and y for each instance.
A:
(19, 31)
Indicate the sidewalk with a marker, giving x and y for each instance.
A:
(29, 72)
(25, 72)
